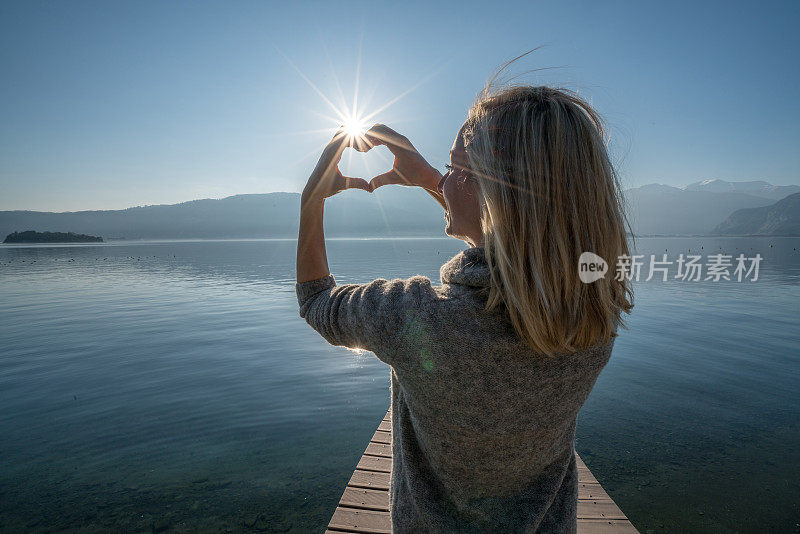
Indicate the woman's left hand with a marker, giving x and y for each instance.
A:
(326, 180)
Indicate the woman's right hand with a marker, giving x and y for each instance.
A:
(409, 167)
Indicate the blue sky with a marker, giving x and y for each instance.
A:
(107, 105)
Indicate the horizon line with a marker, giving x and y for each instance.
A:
(683, 187)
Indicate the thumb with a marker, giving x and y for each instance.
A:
(386, 178)
(356, 183)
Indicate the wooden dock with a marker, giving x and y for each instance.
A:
(364, 506)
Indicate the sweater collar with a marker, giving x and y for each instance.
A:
(468, 267)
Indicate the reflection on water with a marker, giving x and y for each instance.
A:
(173, 386)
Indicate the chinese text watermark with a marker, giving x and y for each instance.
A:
(687, 267)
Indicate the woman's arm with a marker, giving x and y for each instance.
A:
(380, 316)
(324, 182)
(312, 259)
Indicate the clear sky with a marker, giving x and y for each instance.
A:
(106, 105)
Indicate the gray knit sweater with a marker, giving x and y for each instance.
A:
(483, 426)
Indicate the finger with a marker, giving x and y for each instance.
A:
(332, 152)
(384, 179)
(388, 178)
(362, 144)
(337, 144)
(380, 134)
(356, 183)
(339, 140)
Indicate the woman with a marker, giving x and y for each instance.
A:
(490, 368)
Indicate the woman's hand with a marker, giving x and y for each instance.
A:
(326, 180)
(409, 167)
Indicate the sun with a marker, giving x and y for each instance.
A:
(354, 119)
(355, 126)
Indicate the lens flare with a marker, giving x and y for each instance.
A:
(354, 119)
(355, 127)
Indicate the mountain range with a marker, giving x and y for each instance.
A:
(698, 208)
(714, 207)
(393, 211)
(781, 218)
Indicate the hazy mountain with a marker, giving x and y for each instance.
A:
(756, 188)
(665, 210)
(391, 211)
(781, 218)
(653, 209)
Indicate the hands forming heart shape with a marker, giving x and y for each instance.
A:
(409, 167)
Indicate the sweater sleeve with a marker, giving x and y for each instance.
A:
(374, 316)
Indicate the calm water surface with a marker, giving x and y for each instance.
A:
(172, 386)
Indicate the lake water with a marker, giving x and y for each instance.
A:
(172, 386)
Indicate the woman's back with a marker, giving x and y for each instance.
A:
(483, 427)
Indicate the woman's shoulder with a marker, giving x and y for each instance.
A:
(418, 292)
(413, 285)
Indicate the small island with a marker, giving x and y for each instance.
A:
(31, 236)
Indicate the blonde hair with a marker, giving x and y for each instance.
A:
(548, 192)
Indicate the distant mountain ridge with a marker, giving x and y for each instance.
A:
(654, 209)
(757, 188)
(402, 211)
(51, 237)
(698, 208)
(781, 218)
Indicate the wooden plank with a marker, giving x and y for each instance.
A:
(375, 463)
(379, 449)
(364, 506)
(599, 510)
(382, 436)
(368, 499)
(592, 491)
(586, 476)
(603, 526)
(370, 479)
(353, 520)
